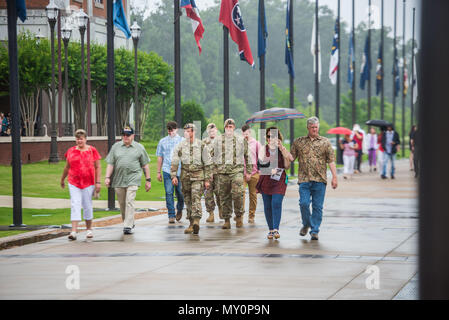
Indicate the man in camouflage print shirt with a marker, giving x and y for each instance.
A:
(314, 153)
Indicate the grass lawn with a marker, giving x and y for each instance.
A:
(42, 179)
(42, 217)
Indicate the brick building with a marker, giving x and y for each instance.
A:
(37, 23)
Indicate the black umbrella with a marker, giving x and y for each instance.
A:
(379, 123)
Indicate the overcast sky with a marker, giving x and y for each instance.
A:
(361, 11)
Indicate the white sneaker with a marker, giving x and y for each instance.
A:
(89, 234)
(72, 235)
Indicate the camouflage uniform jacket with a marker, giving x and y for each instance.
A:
(208, 146)
(229, 153)
(313, 157)
(196, 163)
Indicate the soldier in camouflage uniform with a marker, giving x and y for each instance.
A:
(194, 173)
(229, 151)
(213, 188)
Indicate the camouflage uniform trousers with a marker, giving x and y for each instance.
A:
(192, 191)
(209, 196)
(231, 193)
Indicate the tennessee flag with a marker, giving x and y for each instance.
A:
(197, 25)
(231, 17)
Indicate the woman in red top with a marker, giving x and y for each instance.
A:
(272, 182)
(84, 170)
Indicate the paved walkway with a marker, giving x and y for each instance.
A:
(368, 223)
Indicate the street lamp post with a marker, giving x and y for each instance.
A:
(310, 101)
(135, 33)
(52, 14)
(66, 33)
(164, 94)
(82, 24)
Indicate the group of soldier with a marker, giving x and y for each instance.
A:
(214, 165)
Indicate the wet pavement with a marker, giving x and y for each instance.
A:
(367, 250)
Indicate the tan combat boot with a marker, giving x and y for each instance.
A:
(239, 222)
(227, 224)
(196, 225)
(211, 217)
(189, 229)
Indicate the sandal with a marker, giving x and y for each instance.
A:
(276, 234)
(270, 235)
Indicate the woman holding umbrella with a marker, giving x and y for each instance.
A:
(273, 160)
(349, 147)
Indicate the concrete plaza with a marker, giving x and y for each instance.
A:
(368, 224)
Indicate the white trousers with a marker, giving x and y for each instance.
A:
(126, 197)
(81, 198)
(348, 162)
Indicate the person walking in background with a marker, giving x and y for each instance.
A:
(83, 169)
(358, 136)
(380, 155)
(314, 153)
(228, 153)
(272, 184)
(411, 136)
(126, 159)
(348, 146)
(195, 174)
(253, 173)
(213, 186)
(5, 126)
(371, 139)
(164, 152)
(414, 148)
(391, 144)
(2, 116)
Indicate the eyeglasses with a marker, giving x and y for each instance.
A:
(211, 127)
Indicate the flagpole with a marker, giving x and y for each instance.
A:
(413, 72)
(262, 62)
(292, 121)
(225, 73)
(394, 65)
(339, 153)
(177, 30)
(317, 85)
(14, 90)
(403, 74)
(369, 56)
(353, 64)
(382, 61)
(110, 90)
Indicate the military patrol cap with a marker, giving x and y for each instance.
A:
(229, 121)
(189, 126)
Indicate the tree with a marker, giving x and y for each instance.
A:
(192, 111)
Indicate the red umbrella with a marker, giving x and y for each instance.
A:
(340, 130)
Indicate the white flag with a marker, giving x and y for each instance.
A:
(312, 51)
(333, 65)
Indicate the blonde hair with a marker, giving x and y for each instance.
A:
(80, 132)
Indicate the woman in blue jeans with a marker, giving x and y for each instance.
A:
(272, 182)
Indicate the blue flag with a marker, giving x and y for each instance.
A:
(351, 60)
(379, 71)
(395, 73)
(288, 49)
(120, 18)
(366, 65)
(262, 32)
(21, 10)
